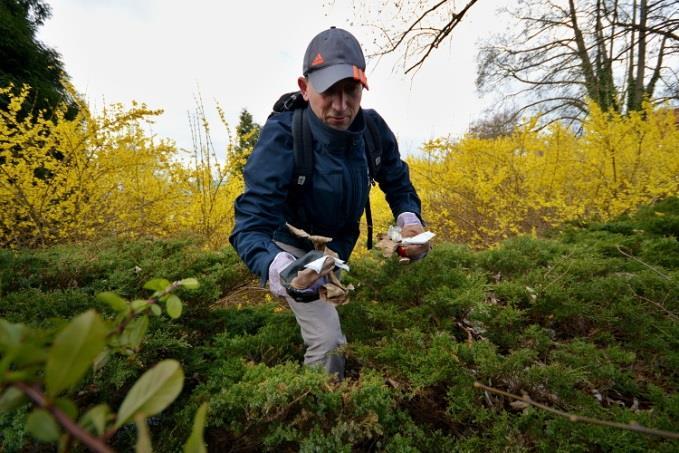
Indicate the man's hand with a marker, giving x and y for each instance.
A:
(411, 226)
(309, 278)
(303, 281)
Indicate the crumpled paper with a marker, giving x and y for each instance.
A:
(333, 291)
(392, 240)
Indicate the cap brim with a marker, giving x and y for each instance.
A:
(324, 78)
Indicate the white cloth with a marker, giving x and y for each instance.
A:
(407, 218)
(280, 262)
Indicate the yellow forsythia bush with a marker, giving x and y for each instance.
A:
(100, 175)
(481, 191)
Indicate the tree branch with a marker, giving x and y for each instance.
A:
(69, 425)
(580, 418)
(647, 29)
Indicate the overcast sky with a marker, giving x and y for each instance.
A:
(245, 54)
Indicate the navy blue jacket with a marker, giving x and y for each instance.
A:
(333, 202)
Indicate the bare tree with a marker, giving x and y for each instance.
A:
(614, 52)
(412, 27)
(494, 124)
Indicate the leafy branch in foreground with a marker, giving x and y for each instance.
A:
(43, 367)
(580, 418)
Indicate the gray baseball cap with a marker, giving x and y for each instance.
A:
(333, 55)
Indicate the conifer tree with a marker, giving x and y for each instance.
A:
(26, 60)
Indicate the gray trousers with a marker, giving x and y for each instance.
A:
(319, 325)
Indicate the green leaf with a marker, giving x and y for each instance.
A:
(190, 283)
(10, 334)
(94, 420)
(29, 354)
(42, 426)
(11, 399)
(174, 306)
(73, 351)
(143, 444)
(115, 301)
(136, 330)
(68, 407)
(139, 304)
(101, 360)
(153, 392)
(157, 284)
(195, 443)
(155, 309)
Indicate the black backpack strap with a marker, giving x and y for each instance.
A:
(304, 159)
(373, 154)
(374, 148)
(303, 148)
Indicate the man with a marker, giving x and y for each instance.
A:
(332, 206)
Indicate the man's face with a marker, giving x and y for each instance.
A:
(338, 105)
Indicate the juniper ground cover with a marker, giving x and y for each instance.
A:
(584, 321)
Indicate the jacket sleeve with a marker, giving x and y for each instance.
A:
(393, 177)
(259, 211)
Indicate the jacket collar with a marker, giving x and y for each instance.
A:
(333, 138)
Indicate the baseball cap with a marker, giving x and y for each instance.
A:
(333, 55)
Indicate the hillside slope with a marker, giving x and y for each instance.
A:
(585, 321)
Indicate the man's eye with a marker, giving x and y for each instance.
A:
(353, 90)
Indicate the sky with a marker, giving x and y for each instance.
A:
(246, 54)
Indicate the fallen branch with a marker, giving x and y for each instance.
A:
(645, 264)
(657, 304)
(579, 418)
(226, 300)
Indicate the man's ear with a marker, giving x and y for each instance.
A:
(303, 85)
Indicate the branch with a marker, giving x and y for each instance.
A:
(653, 30)
(69, 425)
(657, 304)
(153, 300)
(412, 26)
(445, 31)
(580, 418)
(437, 34)
(645, 264)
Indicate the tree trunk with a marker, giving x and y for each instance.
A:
(638, 93)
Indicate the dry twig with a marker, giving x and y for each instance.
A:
(579, 418)
(656, 304)
(645, 264)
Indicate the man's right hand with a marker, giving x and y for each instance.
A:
(304, 280)
(280, 262)
(309, 278)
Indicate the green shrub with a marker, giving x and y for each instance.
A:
(584, 322)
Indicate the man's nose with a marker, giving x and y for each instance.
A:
(339, 101)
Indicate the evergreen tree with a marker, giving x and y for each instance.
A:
(248, 134)
(24, 59)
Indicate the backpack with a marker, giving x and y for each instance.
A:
(304, 155)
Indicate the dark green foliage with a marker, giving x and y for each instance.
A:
(247, 131)
(584, 322)
(24, 59)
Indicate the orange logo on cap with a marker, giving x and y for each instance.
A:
(318, 60)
